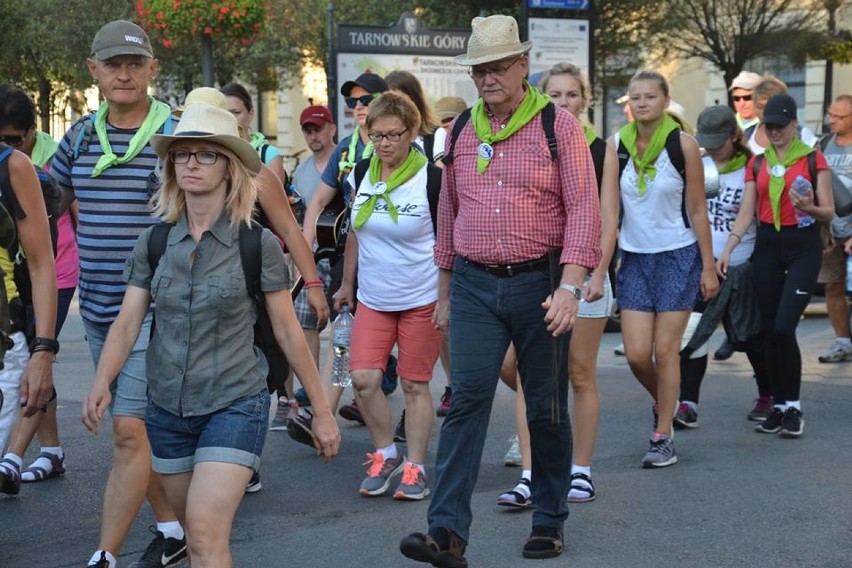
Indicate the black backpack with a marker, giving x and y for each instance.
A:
(250, 250)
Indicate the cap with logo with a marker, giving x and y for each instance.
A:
(121, 37)
(746, 80)
(316, 115)
(780, 110)
(370, 82)
(715, 125)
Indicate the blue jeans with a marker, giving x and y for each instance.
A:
(486, 314)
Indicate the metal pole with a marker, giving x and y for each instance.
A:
(207, 60)
(592, 59)
(331, 64)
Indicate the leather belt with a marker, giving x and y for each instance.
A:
(507, 270)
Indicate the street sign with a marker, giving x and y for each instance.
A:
(560, 4)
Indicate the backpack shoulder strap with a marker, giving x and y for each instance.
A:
(458, 126)
(756, 165)
(548, 120)
(81, 134)
(433, 192)
(157, 239)
(598, 150)
(264, 149)
(250, 257)
(623, 155)
(675, 152)
(360, 171)
(7, 192)
(429, 147)
(812, 170)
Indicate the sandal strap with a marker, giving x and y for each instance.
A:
(37, 471)
(582, 476)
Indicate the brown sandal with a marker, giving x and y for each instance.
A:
(544, 546)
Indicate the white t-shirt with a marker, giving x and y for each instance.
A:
(806, 134)
(723, 210)
(396, 267)
(439, 139)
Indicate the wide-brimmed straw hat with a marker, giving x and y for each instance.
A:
(491, 39)
(209, 123)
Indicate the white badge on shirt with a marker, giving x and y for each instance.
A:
(486, 151)
(380, 188)
(778, 170)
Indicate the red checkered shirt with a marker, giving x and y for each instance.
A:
(525, 203)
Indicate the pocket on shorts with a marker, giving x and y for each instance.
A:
(250, 405)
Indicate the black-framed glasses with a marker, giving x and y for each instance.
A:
(363, 99)
(738, 98)
(376, 137)
(204, 157)
(480, 73)
(12, 140)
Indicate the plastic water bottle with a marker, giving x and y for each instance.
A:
(849, 274)
(802, 187)
(341, 330)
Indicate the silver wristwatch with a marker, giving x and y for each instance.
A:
(573, 289)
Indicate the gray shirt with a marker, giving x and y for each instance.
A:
(306, 179)
(202, 356)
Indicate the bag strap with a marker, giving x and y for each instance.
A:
(675, 152)
(250, 258)
(360, 171)
(458, 126)
(157, 240)
(548, 122)
(433, 192)
(812, 171)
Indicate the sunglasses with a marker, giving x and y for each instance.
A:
(365, 100)
(741, 98)
(12, 140)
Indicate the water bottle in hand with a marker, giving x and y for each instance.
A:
(802, 187)
(341, 330)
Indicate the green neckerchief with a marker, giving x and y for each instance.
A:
(350, 161)
(795, 152)
(406, 170)
(533, 102)
(590, 134)
(737, 162)
(158, 114)
(646, 163)
(257, 140)
(44, 149)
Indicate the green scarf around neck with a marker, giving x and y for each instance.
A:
(629, 134)
(532, 104)
(406, 170)
(349, 162)
(795, 152)
(257, 139)
(158, 114)
(590, 134)
(44, 149)
(737, 162)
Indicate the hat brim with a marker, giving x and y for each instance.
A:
(711, 141)
(483, 57)
(347, 87)
(318, 122)
(243, 150)
(777, 120)
(110, 52)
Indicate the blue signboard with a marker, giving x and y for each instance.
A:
(560, 4)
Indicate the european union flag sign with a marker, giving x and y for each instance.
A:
(560, 4)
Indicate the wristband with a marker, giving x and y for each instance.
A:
(312, 283)
(44, 344)
(573, 289)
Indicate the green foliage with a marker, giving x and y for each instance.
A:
(176, 20)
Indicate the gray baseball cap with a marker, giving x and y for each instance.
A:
(121, 37)
(715, 125)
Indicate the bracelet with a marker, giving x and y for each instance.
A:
(44, 344)
(739, 237)
(312, 284)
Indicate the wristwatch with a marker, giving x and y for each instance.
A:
(573, 289)
(44, 344)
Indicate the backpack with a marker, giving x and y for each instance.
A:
(433, 186)
(250, 250)
(21, 308)
(675, 152)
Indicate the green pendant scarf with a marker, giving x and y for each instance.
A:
(412, 164)
(646, 163)
(737, 162)
(590, 134)
(532, 104)
(346, 165)
(795, 152)
(44, 149)
(257, 140)
(158, 114)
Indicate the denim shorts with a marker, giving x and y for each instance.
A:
(668, 281)
(234, 434)
(600, 308)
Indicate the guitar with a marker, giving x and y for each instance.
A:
(332, 225)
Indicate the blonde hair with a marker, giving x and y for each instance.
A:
(768, 87)
(169, 201)
(565, 68)
(398, 104)
(649, 75)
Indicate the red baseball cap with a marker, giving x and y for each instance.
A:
(317, 115)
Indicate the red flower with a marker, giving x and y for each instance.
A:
(167, 43)
(208, 30)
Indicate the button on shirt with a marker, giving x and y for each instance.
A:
(525, 203)
(202, 355)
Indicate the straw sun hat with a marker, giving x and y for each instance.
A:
(204, 122)
(491, 39)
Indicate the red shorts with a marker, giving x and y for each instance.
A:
(374, 334)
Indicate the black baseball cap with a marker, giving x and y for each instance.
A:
(370, 82)
(780, 110)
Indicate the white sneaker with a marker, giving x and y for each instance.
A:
(837, 353)
(513, 456)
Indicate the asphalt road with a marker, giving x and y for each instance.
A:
(736, 498)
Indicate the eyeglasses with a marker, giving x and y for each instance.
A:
(12, 140)
(493, 71)
(738, 98)
(204, 157)
(829, 115)
(376, 137)
(364, 100)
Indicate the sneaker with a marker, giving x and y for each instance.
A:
(837, 353)
(619, 350)
(10, 477)
(299, 428)
(254, 484)
(724, 352)
(517, 497)
(413, 486)
(661, 453)
(761, 410)
(390, 380)
(686, 417)
(513, 456)
(302, 397)
(380, 473)
(162, 552)
(772, 423)
(399, 432)
(285, 412)
(351, 412)
(441, 547)
(792, 423)
(446, 402)
(101, 563)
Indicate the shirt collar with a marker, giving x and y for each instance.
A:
(221, 230)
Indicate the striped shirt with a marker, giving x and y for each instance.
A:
(525, 203)
(114, 211)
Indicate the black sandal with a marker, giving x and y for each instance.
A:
(544, 546)
(586, 488)
(515, 498)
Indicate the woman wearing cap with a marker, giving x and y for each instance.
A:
(734, 306)
(667, 254)
(787, 254)
(767, 88)
(207, 397)
(392, 242)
